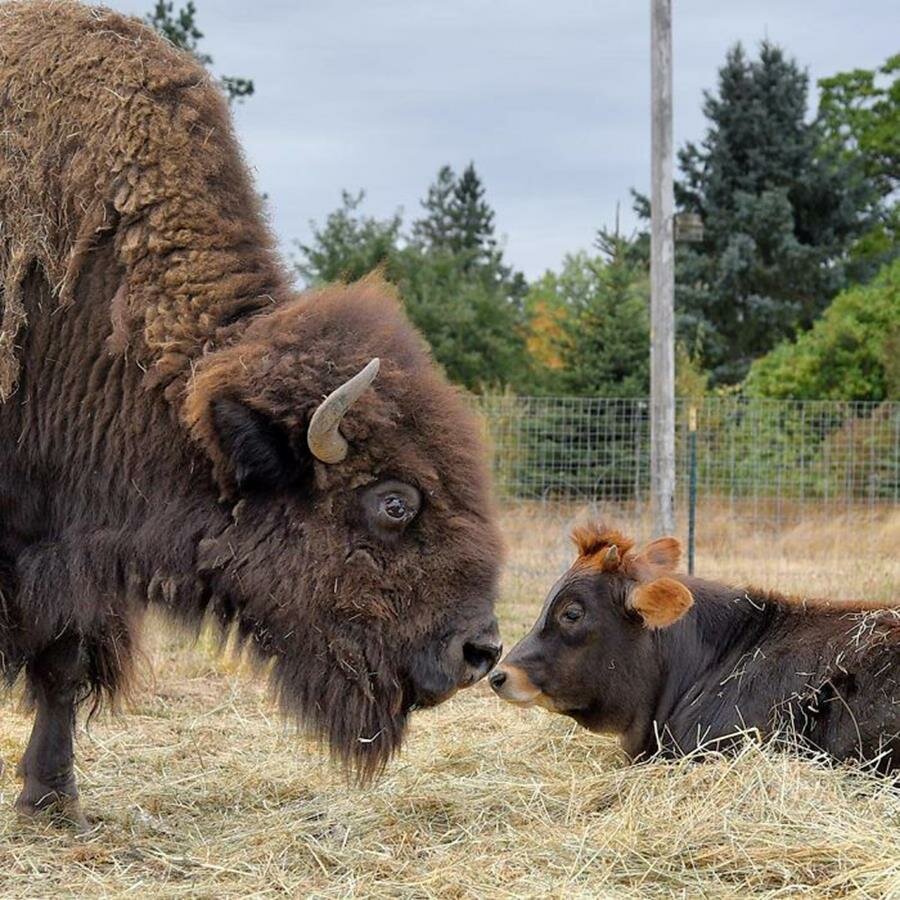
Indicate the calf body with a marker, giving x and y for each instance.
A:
(675, 664)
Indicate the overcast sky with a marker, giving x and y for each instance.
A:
(548, 97)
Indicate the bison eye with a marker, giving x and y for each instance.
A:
(572, 613)
(389, 506)
(395, 508)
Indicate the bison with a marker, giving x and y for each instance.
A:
(180, 428)
(675, 664)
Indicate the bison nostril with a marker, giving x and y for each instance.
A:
(482, 657)
(497, 679)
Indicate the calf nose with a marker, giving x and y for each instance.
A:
(482, 656)
(497, 679)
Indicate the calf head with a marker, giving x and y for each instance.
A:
(361, 551)
(590, 655)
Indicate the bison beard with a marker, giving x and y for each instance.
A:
(343, 688)
(158, 383)
(338, 679)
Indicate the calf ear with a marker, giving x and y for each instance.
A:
(662, 554)
(661, 602)
(258, 449)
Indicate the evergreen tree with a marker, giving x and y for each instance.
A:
(460, 221)
(349, 244)
(180, 28)
(779, 213)
(434, 230)
(472, 221)
(604, 344)
(458, 289)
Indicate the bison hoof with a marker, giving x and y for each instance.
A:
(50, 805)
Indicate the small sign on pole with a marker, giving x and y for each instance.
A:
(688, 228)
(692, 490)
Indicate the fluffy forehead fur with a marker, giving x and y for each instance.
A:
(595, 539)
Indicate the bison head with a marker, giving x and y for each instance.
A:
(361, 552)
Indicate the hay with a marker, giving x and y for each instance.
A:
(201, 792)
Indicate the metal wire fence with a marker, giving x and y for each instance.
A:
(766, 462)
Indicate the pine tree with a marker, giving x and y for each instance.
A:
(779, 215)
(434, 230)
(459, 222)
(458, 219)
(605, 342)
(458, 289)
(472, 220)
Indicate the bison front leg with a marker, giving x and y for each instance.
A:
(47, 768)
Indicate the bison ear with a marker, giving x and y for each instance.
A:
(661, 602)
(258, 449)
(662, 554)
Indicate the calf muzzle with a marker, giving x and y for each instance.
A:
(512, 684)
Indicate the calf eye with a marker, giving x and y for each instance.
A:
(572, 613)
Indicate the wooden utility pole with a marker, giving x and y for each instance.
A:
(662, 273)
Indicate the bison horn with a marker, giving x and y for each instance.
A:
(324, 437)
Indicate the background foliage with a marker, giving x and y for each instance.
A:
(791, 293)
(850, 353)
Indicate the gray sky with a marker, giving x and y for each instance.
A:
(548, 97)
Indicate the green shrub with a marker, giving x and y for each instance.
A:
(846, 355)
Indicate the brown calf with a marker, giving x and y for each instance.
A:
(673, 664)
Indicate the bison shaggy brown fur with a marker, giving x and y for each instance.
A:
(158, 376)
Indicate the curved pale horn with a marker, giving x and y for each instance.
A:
(324, 437)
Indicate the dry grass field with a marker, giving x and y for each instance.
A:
(200, 791)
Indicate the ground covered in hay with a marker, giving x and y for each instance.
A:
(199, 790)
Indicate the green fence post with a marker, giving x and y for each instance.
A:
(692, 491)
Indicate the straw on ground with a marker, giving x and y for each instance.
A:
(200, 791)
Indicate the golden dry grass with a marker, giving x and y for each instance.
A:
(199, 791)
